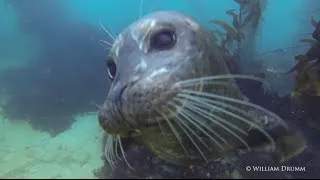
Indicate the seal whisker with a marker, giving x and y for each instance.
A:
(105, 42)
(199, 101)
(123, 153)
(113, 149)
(159, 124)
(108, 150)
(190, 118)
(214, 82)
(190, 82)
(191, 139)
(175, 132)
(186, 125)
(231, 107)
(223, 104)
(117, 142)
(98, 106)
(112, 32)
(238, 101)
(215, 119)
(105, 29)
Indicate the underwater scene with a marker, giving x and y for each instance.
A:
(159, 89)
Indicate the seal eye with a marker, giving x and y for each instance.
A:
(162, 40)
(112, 68)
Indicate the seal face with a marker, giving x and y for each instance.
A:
(171, 90)
(150, 57)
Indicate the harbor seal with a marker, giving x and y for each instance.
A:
(172, 92)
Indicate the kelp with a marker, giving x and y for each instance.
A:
(231, 12)
(237, 39)
(301, 60)
(251, 11)
(307, 79)
(230, 31)
(307, 82)
(227, 37)
(218, 35)
(235, 19)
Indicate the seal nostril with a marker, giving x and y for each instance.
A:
(116, 95)
(122, 90)
(121, 94)
(107, 123)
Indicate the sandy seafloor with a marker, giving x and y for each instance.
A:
(26, 153)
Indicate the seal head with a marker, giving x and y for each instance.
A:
(146, 61)
(172, 91)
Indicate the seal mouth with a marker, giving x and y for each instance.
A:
(118, 125)
(138, 109)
